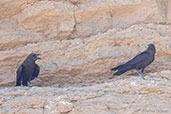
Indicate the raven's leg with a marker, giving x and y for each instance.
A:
(140, 73)
(29, 84)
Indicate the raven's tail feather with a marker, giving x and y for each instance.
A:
(115, 68)
(118, 67)
(119, 72)
(122, 69)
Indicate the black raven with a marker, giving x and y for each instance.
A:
(28, 70)
(139, 62)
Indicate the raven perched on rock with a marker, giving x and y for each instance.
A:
(139, 62)
(28, 70)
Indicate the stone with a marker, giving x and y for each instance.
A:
(58, 106)
(115, 96)
(165, 74)
(9, 8)
(54, 19)
(22, 102)
(80, 41)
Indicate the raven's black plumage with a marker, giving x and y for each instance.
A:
(28, 70)
(139, 62)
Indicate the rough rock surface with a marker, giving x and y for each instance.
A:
(80, 40)
(118, 96)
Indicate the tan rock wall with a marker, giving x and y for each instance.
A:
(9, 8)
(80, 40)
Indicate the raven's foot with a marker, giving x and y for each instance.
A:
(141, 74)
(29, 84)
(17, 85)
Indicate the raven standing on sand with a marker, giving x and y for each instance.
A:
(28, 70)
(139, 62)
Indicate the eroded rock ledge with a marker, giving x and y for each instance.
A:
(130, 95)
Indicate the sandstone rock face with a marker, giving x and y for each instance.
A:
(80, 41)
(54, 19)
(129, 95)
(9, 8)
(164, 9)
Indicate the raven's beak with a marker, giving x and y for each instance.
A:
(38, 55)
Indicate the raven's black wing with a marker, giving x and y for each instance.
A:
(139, 59)
(19, 75)
(133, 62)
(36, 72)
